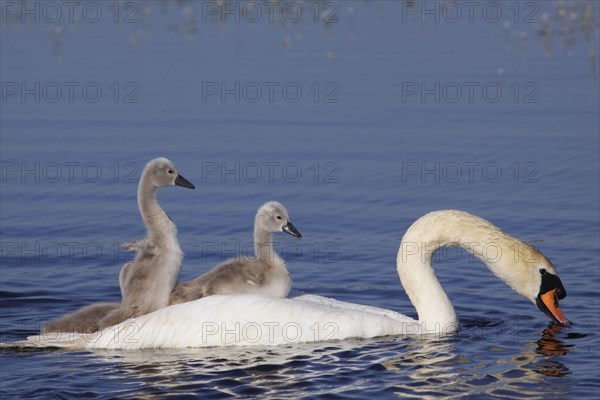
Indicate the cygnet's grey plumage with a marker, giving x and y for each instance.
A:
(85, 320)
(264, 274)
(147, 281)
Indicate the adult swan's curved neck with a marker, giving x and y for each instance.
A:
(516, 263)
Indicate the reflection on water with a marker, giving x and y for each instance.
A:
(437, 367)
(424, 368)
(298, 370)
(552, 347)
(567, 23)
(553, 26)
(432, 368)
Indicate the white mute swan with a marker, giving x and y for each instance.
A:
(260, 320)
(147, 281)
(265, 274)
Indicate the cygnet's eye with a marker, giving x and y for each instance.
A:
(279, 217)
(170, 171)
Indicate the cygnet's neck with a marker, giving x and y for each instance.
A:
(263, 246)
(160, 228)
(440, 229)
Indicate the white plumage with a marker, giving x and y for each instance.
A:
(248, 320)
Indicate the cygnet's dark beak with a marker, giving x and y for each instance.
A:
(291, 229)
(181, 181)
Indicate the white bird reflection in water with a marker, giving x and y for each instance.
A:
(405, 367)
(313, 369)
(525, 370)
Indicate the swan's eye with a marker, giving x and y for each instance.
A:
(543, 272)
(170, 171)
(279, 217)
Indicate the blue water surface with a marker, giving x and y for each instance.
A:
(359, 116)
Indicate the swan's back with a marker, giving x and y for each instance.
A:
(243, 320)
(249, 320)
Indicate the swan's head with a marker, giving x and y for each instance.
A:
(162, 172)
(551, 290)
(538, 281)
(273, 217)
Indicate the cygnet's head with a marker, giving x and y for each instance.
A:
(273, 217)
(162, 172)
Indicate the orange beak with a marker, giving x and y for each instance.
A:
(551, 307)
